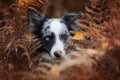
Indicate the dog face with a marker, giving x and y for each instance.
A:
(54, 33)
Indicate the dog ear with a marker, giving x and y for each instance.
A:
(35, 21)
(70, 20)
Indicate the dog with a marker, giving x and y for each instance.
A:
(54, 32)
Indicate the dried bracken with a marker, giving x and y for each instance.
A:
(100, 20)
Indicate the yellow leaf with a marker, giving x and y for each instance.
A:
(55, 70)
(23, 2)
(105, 44)
(78, 36)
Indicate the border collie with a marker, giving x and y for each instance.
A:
(53, 33)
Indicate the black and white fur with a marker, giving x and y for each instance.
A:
(54, 33)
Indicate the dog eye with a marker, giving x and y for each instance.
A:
(47, 38)
(63, 37)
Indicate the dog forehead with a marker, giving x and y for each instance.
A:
(54, 25)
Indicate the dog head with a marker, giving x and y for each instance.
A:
(54, 33)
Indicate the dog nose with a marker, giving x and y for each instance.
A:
(58, 54)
